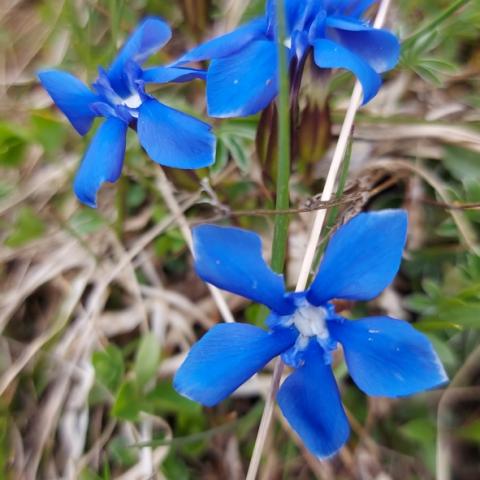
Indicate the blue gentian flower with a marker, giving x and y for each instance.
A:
(242, 76)
(170, 137)
(385, 357)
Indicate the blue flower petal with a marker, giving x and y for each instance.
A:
(316, 28)
(244, 83)
(297, 15)
(379, 48)
(388, 357)
(362, 257)
(172, 74)
(71, 96)
(357, 8)
(310, 401)
(347, 23)
(103, 161)
(226, 44)
(231, 259)
(328, 54)
(225, 358)
(149, 37)
(174, 139)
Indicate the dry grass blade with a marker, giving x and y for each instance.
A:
(234, 11)
(75, 291)
(457, 135)
(62, 260)
(166, 189)
(45, 182)
(44, 421)
(467, 232)
(28, 33)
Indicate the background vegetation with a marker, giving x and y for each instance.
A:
(98, 307)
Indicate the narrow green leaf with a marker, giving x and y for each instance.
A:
(127, 403)
(28, 226)
(147, 359)
(109, 367)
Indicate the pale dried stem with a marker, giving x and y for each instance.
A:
(337, 159)
(234, 11)
(308, 260)
(265, 421)
(172, 204)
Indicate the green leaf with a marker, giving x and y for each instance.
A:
(447, 229)
(164, 399)
(109, 367)
(175, 467)
(256, 314)
(458, 311)
(240, 128)
(28, 226)
(128, 402)
(420, 303)
(472, 268)
(49, 131)
(136, 195)
(170, 243)
(238, 151)
(86, 221)
(106, 474)
(430, 76)
(89, 474)
(471, 432)
(439, 65)
(13, 142)
(221, 158)
(5, 443)
(472, 193)
(445, 351)
(121, 452)
(436, 326)
(421, 430)
(5, 189)
(462, 163)
(147, 359)
(432, 288)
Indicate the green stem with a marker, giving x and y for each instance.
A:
(116, 12)
(438, 20)
(280, 236)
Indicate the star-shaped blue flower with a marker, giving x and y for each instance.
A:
(385, 356)
(242, 76)
(170, 137)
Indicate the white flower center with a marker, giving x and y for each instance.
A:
(311, 321)
(134, 101)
